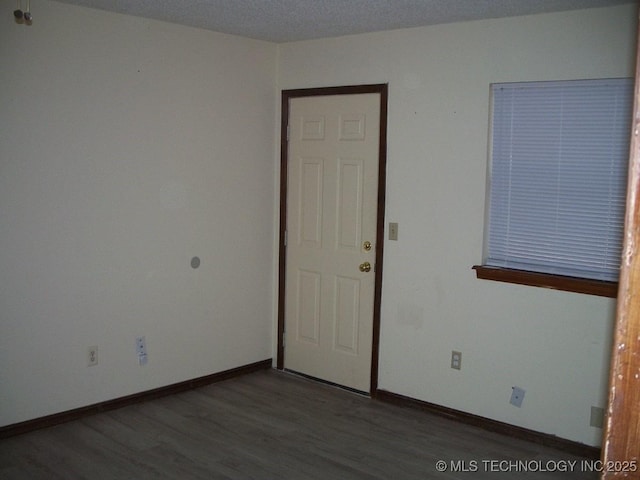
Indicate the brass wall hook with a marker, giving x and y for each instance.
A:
(28, 18)
(18, 13)
(23, 17)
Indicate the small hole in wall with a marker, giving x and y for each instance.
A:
(195, 262)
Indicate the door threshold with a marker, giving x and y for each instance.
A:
(326, 382)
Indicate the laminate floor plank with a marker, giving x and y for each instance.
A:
(272, 425)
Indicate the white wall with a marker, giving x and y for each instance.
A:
(553, 344)
(127, 147)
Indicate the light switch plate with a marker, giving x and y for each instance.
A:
(393, 231)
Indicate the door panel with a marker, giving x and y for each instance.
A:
(308, 307)
(310, 205)
(347, 314)
(348, 223)
(333, 152)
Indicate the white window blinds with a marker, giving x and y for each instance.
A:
(559, 160)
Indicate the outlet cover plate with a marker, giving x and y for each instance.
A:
(456, 360)
(92, 356)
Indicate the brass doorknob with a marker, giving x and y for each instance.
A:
(365, 267)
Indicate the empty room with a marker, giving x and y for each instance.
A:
(205, 276)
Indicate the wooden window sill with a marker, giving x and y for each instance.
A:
(545, 280)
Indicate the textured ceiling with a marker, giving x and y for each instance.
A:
(292, 20)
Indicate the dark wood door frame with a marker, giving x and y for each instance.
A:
(287, 95)
(621, 442)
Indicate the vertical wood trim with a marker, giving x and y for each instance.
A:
(282, 252)
(621, 442)
(287, 95)
(382, 190)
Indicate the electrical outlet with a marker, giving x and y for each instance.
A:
(456, 360)
(517, 395)
(92, 356)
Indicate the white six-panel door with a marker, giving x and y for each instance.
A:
(333, 153)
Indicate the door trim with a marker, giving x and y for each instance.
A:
(621, 436)
(287, 95)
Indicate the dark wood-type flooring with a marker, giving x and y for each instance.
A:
(273, 425)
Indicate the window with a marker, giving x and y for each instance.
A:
(558, 178)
